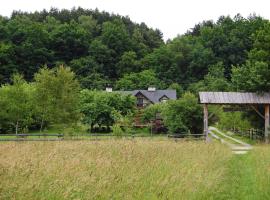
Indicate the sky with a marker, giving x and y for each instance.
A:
(172, 17)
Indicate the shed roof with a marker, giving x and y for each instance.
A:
(234, 98)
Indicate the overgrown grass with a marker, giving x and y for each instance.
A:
(248, 176)
(132, 169)
(113, 169)
(244, 138)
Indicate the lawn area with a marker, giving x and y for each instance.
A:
(131, 169)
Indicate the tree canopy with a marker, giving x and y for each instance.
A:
(103, 48)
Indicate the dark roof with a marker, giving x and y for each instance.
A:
(234, 98)
(153, 96)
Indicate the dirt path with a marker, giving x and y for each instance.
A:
(237, 146)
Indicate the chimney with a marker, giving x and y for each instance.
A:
(151, 89)
(108, 89)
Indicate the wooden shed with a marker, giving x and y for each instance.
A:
(236, 98)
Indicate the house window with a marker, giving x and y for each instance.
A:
(163, 100)
(140, 101)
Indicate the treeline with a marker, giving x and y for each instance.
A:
(103, 48)
(55, 97)
(96, 45)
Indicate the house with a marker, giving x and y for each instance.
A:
(149, 96)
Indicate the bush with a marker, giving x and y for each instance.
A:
(151, 111)
(104, 108)
(117, 130)
(184, 115)
(233, 121)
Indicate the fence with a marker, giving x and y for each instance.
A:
(32, 137)
(91, 136)
(254, 134)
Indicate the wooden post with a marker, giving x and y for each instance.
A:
(266, 125)
(205, 121)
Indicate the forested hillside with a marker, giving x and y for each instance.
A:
(103, 48)
(97, 45)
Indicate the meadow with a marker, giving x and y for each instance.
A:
(131, 169)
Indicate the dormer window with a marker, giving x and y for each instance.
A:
(163, 99)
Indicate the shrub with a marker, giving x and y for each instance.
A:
(117, 130)
(233, 120)
(184, 115)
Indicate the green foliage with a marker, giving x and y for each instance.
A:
(104, 108)
(233, 120)
(183, 115)
(103, 48)
(72, 130)
(52, 98)
(116, 130)
(251, 77)
(213, 81)
(128, 63)
(57, 96)
(179, 89)
(17, 105)
(151, 111)
(141, 80)
(62, 36)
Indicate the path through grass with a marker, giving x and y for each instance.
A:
(248, 176)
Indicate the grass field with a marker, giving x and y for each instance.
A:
(131, 169)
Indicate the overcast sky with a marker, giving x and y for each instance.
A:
(172, 17)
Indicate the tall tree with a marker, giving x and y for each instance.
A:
(17, 102)
(57, 93)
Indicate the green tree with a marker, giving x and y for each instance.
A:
(214, 81)
(57, 96)
(127, 64)
(179, 89)
(141, 80)
(44, 96)
(115, 36)
(104, 108)
(151, 111)
(17, 102)
(66, 96)
(233, 121)
(184, 115)
(253, 77)
(89, 24)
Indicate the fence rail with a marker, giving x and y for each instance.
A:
(254, 134)
(34, 134)
(56, 136)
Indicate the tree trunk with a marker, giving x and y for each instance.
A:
(92, 128)
(41, 125)
(16, 127)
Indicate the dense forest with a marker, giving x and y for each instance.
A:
(103, 48)
(52, 64)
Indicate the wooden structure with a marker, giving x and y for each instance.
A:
(236, 98)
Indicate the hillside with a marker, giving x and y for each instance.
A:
(103, 48)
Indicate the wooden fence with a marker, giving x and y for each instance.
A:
(93, 136)
(254, 134)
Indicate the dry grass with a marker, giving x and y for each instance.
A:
(114, 169)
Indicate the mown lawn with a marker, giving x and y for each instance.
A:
(131, 169)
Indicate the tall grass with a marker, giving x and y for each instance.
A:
(114, 169)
